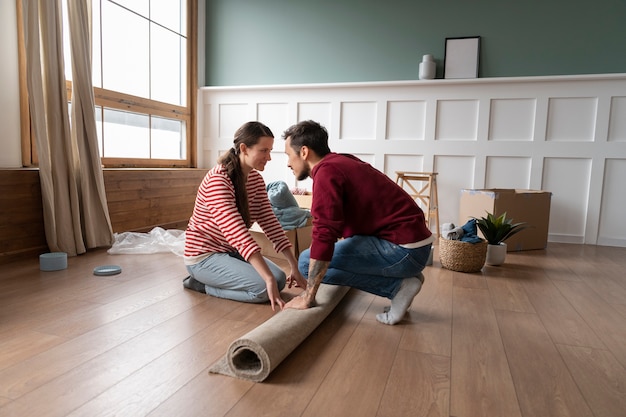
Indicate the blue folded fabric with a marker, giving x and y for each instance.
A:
(470, 231)
(285, 206)
(292, 217)
(280, 196)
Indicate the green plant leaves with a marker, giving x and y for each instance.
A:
(498, 229)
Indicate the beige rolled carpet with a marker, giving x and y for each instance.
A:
(257, 353)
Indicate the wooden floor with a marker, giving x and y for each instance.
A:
(542, 336)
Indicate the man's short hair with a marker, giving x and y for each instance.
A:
(310, 134)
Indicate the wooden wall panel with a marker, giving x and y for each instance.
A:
(21, 214)
(138, 200)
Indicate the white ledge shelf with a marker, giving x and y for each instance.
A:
(437, 81)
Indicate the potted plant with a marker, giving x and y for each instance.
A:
(496, 230)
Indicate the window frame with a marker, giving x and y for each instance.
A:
(120, 101)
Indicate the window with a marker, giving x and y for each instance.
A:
(144, 81)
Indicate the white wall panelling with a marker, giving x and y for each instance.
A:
(617, 124)
(566, 135)
(512, 119)
(612, 225)
(517, 169)
(406, 120)
(570, 178)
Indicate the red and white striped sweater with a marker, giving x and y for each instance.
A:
(217, 226)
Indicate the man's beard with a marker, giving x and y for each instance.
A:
(306, 172)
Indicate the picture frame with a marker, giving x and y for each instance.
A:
(462, 57)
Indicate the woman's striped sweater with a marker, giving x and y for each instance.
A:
(217, 226)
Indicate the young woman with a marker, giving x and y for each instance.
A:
(221, 256)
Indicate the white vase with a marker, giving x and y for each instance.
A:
(428, 68)
(496, 254)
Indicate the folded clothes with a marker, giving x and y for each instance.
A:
(452, 232)
(465, 233)
(279, 195)
(292, 217)
(470, 232)
(285, 206)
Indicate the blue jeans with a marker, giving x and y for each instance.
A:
(228, 275)
(370, 264)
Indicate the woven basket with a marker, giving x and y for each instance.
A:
(460, 256)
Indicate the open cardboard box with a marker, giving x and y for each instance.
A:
(529, 206)
(304, 200)
(300, 237)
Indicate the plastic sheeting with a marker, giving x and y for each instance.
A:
(157, 241)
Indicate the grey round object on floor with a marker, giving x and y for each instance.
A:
(107, 270)
(53, 261)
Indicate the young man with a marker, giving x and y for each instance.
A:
(386, 242)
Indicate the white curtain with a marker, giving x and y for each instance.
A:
(74, 202)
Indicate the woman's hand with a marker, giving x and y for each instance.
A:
(259, 264)
(274, 295)
(296, 279)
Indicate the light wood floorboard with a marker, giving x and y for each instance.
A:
(542, 335)
(481, 382)
(530, 353)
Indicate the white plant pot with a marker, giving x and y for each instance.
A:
(496, 254)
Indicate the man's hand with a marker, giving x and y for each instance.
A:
(317, 269)
(295, 279)
(297, 303)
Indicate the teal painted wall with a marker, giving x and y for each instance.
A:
(260, 42)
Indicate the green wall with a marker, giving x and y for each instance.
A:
(259, 42)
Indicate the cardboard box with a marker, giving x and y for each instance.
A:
(304, 200)
(529, 206)
(267, 248)
(303, 237)
(300, 239)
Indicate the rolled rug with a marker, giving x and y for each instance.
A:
(257, 353)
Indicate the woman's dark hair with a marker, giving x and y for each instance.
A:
(310, 134)
(249, 134)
